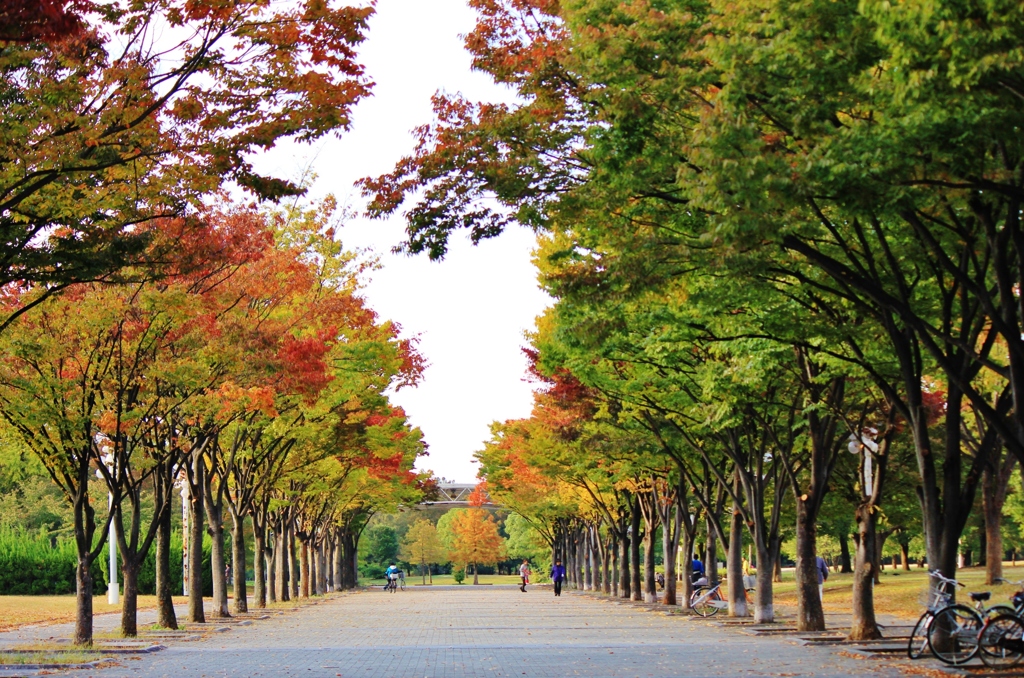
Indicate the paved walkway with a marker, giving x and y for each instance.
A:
(485, 631)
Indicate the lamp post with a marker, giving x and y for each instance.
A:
(865, 442)
(183, 484)
(113, 588)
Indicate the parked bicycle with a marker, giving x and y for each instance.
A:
(957, 633)
(707, 600)
(940, 597)
(1001, 639)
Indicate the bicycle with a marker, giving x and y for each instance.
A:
(958, 632)
(1001, 638)
(707, 600)
(940, 598)
(395, 581)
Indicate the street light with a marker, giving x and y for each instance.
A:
(865, 442)
(182, 483)
(113, 588)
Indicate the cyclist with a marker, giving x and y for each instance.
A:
(391, 574)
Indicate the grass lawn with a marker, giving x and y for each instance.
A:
(900, 592)
(21, 610)
(60, 657)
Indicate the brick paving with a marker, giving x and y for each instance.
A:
(455, 632)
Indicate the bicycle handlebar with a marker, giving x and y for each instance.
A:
(1020, 584)
(945, 580)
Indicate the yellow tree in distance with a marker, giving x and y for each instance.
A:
(476, 540)
(422, 545)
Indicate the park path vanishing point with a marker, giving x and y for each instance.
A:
(450, 632)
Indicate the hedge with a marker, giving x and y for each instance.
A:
(30, 564)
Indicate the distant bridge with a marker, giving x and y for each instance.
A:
(456, 494)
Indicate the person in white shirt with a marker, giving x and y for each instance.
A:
(524, 575)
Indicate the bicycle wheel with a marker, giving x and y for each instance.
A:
(1001, 609)
(1001, 642)
(402, 584)
(953, 634)
(701, 602)
(918, 643)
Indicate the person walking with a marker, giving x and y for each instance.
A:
(524, 574)
(822, 568)
(557, 575)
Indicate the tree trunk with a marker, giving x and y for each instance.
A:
(293, 561)
(348, 572)
(810, 616)
(844, 553)
(864, 626)
(711, 564)
(687, 568)
(238, 562)
(331, 585)
(83, 601)
(304, 567)
(650, 580)
(905, 555)
(588, 572)
(130, 599)
(281, 562)
(625, 580)
(581, 556)
(634, 550)
(259, 560)
(734, 566)
(994, 484)
(606, 554)
(616, 549)
(764, 591)
(165, 615)
(321, 570)
(339, 557)
(195, 546)
(476, 577)
(271, 559)
(218, 564)
(670, 551)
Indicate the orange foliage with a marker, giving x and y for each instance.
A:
(476, 538)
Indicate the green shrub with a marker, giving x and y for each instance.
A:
(459, 575)
(33, 564)
(371, 571)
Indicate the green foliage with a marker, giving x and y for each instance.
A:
(36, 564)
(524, 541)
(379, 545)
(459, 575)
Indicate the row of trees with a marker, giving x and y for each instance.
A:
(151, 342)
(463, 537)
(775, 234)
(251, 376)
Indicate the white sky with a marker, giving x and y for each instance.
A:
(469, 310)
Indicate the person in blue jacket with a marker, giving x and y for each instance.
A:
(697, 568)
(557, 575)
(822, 567)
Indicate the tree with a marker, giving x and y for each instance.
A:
(422, 546)
(524, 541)
(116, 126)
(40, 20)
(475, 540)
(381, 545)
